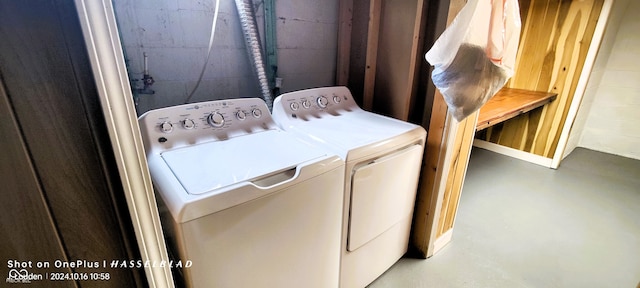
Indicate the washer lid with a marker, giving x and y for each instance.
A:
(208, 166)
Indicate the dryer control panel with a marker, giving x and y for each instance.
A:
(189, 124)
(313, 103)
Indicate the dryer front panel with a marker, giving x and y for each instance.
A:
(382, 194)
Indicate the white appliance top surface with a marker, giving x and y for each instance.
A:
(352, 130)
(208, 166)
(332, 119)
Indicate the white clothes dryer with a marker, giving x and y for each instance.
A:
(383, 159)
(247, 203)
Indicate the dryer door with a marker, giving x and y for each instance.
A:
(382, 194)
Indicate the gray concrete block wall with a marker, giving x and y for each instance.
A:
(307, 43)
(611, 125)
(175, 35)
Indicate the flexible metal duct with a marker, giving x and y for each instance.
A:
(252, 41)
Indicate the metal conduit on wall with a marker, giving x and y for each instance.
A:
(252, 41)
(271, 46)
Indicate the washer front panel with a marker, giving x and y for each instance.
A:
(288, 238)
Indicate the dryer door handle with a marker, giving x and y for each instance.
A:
(275, 179)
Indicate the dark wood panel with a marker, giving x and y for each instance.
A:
(28, 231)
(49, 83)
(434, 12)
(358, 55)
(396, 64)
(345, 16)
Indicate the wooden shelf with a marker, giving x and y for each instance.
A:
(509, 103)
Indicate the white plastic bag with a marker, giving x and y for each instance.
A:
(476, 54)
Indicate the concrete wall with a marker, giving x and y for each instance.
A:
(595, 78)
(175, 35)
(608, 120)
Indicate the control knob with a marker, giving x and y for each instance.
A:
(306, 104)
(322, 102)
(215, 119)
(166, 127)
(188, 124)
(241, 115)
(336, 99)
(257, 113)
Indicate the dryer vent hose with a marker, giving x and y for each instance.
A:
(252, 41)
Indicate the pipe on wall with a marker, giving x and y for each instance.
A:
(271, 46)
(252, 41)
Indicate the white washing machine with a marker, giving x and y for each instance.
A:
(383, 159)
(249, 204)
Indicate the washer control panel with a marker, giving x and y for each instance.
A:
(189, 124)
(314, 103)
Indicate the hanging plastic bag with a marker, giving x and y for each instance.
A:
(476, 54)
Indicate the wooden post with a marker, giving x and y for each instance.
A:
(372, 53)
(443, 170)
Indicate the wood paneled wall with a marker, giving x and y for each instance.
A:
(556, 35)
(62, 197)
(26, 221)
(399, 57)
(386, 54)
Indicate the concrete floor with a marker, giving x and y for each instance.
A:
(523, 225)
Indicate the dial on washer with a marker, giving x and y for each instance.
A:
(306, 104)
(188, 124)
(166, 127)
(257, 113)
(322, 101)
(241, 115)
(215, 119)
